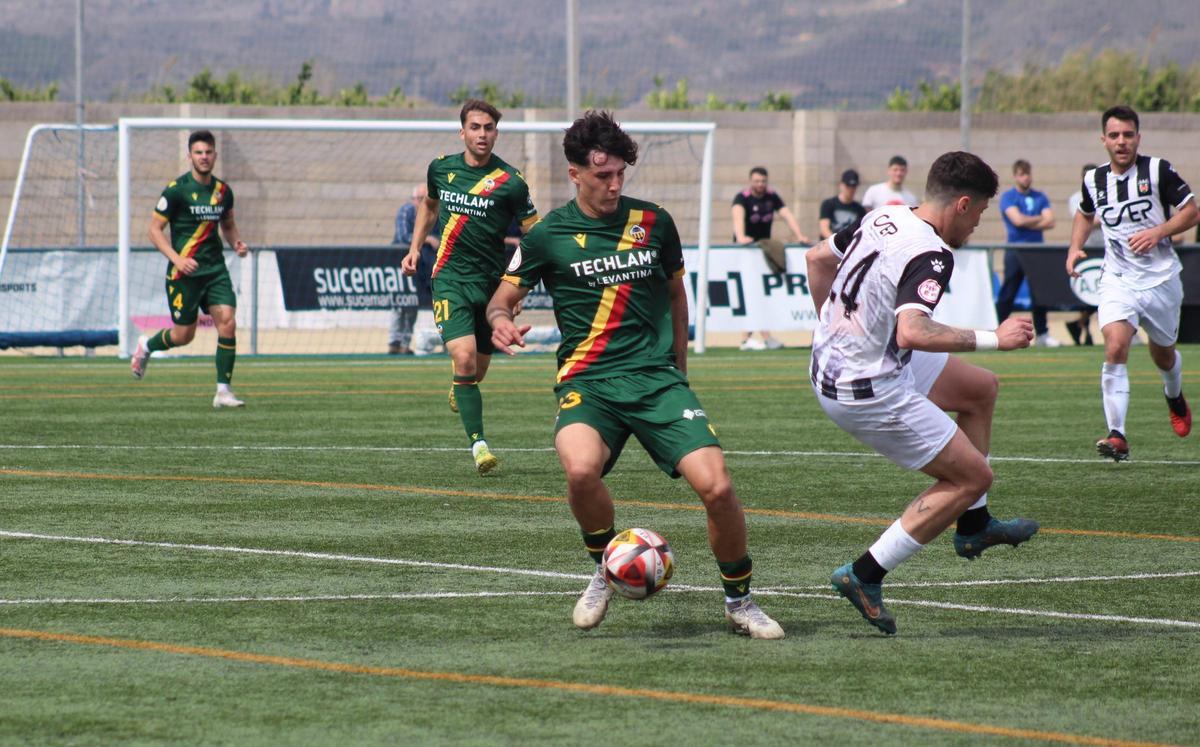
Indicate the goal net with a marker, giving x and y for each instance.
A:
(316, 200)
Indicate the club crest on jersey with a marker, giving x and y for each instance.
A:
(1144, 186)
(515, 263)
(637, 233)
(489, 184)
(937, 265)
(929, 290)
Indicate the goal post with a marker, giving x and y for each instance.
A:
(687, 177)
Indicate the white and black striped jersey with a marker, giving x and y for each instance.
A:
(1141, 198)
(891, 261)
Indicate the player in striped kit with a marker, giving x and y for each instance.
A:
(1134, 196)
(881, 370)
(614, 267)
(194, 205)
(477, 195)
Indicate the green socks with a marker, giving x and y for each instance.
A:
(160, 340)
(735, 577)
(226, 353)
(470, 406)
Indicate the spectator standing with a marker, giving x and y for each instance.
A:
(891, 192)
(1026, 213)
(400, 332)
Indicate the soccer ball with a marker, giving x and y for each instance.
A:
(637, 563)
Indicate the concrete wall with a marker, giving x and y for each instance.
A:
(322, 188)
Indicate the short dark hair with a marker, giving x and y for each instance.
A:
(898, 161)
(1021, 166)
(957, 173)
(1121, 112)
(597, 130)
(759, 170)
(201, 136)
(478, 105)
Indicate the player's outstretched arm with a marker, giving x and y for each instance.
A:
(501, 310)
(915, 330)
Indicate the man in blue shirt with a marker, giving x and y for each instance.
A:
(1026, 213)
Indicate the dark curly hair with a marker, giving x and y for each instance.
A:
(957, 173)
(597, 130)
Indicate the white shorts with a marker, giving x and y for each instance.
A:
(926, 368)
(901, 423)
(1155, 309)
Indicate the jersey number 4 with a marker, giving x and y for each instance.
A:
(854, 278)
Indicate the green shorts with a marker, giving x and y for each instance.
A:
(658, 407)
(459, 309)
(190, 293)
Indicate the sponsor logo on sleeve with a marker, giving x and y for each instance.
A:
(930, 290)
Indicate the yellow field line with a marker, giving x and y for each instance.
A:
(416, 490)
(701, 385)
(668, 696)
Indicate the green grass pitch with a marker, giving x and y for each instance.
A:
(325, 566)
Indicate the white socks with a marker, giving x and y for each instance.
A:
(1173, 379)
(1114, 385)
(894, 547)
(222, 388)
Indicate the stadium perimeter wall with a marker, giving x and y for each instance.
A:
(805, 152)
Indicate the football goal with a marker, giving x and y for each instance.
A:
(316, 200)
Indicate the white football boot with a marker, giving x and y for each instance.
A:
(140, 357)
(747, 619)
(593, 604)
(227, 399)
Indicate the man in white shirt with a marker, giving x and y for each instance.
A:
(891, 192)
(1133, 195)
(881, 370)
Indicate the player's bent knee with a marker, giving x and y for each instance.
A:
(582, 471)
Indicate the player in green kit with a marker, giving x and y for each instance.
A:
(614, 268)
(477, 196)
(194, 205)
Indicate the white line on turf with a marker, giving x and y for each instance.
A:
(574, 576)
(295, 598)
(545, 449)
(291, 554)
(1008, 581)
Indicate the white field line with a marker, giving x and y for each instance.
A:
(1003, 581)
(294, 598)
(542, 449)
(557, 575)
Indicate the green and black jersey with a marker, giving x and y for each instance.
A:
(477, 206)
(194, 212)
(608, 278)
